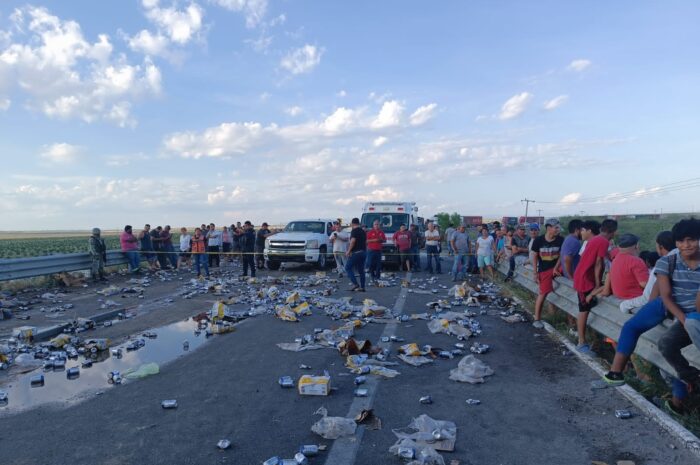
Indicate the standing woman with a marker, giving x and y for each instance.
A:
(485, 248)
(199, 254)
(227, 240)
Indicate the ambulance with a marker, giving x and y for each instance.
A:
(391, 216)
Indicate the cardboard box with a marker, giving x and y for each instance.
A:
(314, 385)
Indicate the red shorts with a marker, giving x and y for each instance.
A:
(546, 281)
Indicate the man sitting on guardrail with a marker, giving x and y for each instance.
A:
(589, 273)
(664, 246)
(545, 263)
(519, 249)
(130, 248)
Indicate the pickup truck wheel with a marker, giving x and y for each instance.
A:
(273, 265)
(322, 259)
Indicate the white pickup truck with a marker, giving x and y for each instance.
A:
(301, 241)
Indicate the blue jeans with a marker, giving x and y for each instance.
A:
(461, 258)
(200, 260)
(649, 316)
(433, 253)
(172, 256)
(374, 259)
(134, 259)
(356, 262)
(415, 253)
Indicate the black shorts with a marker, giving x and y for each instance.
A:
(185, 254)
(584, 306)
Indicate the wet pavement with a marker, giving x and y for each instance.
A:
(536, 408)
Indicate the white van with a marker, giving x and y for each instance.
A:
(391, 216)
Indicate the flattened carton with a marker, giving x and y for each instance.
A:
(314, 385)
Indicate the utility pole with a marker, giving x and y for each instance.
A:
(527, 205)
(539, 212)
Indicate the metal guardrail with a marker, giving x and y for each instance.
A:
(20, 268)
(606, 317)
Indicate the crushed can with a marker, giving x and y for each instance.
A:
(4, 399)
(185, 345)
(304, 367)
(36, 381)
(223, 444)
(473, 402)
(360, 380)
(117, 353)
(439, 435)
(318, 330)
(445, 354)
(301, 459)
(623, 414)
(406, 452)
(114, 377)
(86, 364)
(272, 461)
(362, 392)
(364, 370)
(460, 345)
(385, 339)
(73, 373)
(396, 339)
(478, 348)
(309, 450)
(286, 382)
(288, 462)
(169, 404)
(426, 400)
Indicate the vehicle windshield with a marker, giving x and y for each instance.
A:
(390, 221)
(305, 226)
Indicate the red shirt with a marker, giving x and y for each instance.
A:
(626, 272)
(374, 234)
(584, 279)
(128, 241)
(402, 239)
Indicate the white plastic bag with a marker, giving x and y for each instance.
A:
(470, 370)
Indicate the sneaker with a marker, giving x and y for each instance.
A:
(538, 324)
(586, 349)
(614, 379)
(362, 289)
(354, 288)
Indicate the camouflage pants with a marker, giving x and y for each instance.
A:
(98, 268)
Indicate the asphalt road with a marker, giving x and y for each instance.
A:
(536, 409)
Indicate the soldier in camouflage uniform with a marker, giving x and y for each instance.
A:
(98, 254)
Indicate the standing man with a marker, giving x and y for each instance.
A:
(402, 239)
(570, 248)
(226, 244)
(415, 247)
(158, 247)
(98, 255)
(460, 246)
(520, 249)
(589, 273)
(432, 241)
(214, 245)
(546, 250)
(130, 248)
(375, 239)
(147, 247)
(199, 255)
(356, 255)
(185, 248)
(448, 238)
(340, 246)
(166, 238)
(248, 249)
(263, 233)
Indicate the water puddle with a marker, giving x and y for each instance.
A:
(167, 346)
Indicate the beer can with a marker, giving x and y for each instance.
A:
(287, 462)
(223, 444)
(362, 392)
(4, 399)
(623, 414)
(36, 381)
(360, 380)
(473, 402)
(301, 459)
(309, 450)
(460, 345)
(272, 461)
(286, 382)
(385, 339)
(364, 370)
(169, 404)
(407, 453)
(73, 373)
(426, 400)
(304, 367)
(86, 364)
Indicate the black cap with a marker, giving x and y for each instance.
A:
(627, 240)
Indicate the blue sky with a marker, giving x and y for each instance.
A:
(181, 112)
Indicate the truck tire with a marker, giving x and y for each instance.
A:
(273, 265)
(322, 258)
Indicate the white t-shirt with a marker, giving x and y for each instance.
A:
(214, 238)
(484, 246)
(340, 244)
(185, 241)
(448, 234)
(432, 237)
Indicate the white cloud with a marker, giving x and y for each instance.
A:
(66, 77)
(556, 102)
(389, 115)
(61, 153)
(225, 139)
(5, 104)
(379, 141)
(579, 65)
(515, 105)
(423, 114)
(149, 43)
(573, 197)
(254, 11)
(372, 180)
(180, 26)
(294, 111)
(302, 60)
(380, 195)
(342, 93)
(223, 195)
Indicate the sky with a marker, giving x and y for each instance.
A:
(182, 112)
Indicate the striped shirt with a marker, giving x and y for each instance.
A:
(685, 282)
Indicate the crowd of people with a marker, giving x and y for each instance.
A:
(654, 285)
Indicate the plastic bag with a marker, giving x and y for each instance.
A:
(426, 431)
(415, 361)
(144, 370)
(333, 427)
(446, 327)
(285, 313)
(470, 370)
(422, 454)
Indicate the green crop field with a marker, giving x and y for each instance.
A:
(38, 246)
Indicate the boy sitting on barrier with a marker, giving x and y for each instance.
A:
(678, 281)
